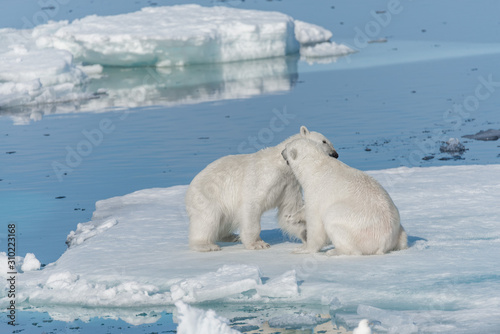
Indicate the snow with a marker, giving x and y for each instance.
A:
(43, 65)
(307, 33)
(30, 76)
(225, 282)
(449, 271)
(195, 321)
(326, 49)
(85, 231)
(30, 263)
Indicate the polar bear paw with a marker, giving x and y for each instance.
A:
(258, 245)
(205, 247)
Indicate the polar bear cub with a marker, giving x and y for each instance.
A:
(343, 205)
(234, 191)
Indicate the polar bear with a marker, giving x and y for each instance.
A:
(343, 205)
(234, 191)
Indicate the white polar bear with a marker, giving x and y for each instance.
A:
(343, 205)
(234, 191)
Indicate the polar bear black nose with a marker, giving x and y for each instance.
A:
(334, 154)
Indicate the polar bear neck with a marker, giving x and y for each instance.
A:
(281, 146)
(315, 162)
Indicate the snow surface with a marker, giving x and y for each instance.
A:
(43, 65)
(447, 281)
(30, 263)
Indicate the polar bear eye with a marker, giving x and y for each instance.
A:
(324, 141)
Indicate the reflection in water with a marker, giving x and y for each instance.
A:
(246, 318)
(118, 87)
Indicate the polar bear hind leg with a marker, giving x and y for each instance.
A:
(403, 240)
(338, 222)
(204, 232)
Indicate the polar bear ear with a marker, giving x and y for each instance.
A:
(293, 153)
(283, 154)
(303, 131)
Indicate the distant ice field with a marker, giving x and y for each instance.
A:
(50, 63)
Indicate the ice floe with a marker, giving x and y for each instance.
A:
(44, 65)
(450, 270)
(485, 135)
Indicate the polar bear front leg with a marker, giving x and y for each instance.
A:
(250, 231)
(293, 223)
(316, 236)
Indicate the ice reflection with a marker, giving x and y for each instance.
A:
(118, 87)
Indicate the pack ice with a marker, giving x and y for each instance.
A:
(43, 65)
(132, 261)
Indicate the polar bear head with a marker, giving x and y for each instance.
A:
(319, 139)
(302, 149)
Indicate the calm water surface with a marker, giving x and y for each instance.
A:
(386, 106)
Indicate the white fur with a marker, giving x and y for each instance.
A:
(343, 205)
(234, 191)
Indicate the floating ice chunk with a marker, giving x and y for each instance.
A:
(30, 263)
(50, 66)
(226, 281)
(453, 145)
(33, 76)
(308, 33)
(487, 135)
(325, 49)
(395, 322)
(297, 321)
(85, 293)
(283, 286)
(196, 321)
(38, 66)
(173, 36)
(87, 230)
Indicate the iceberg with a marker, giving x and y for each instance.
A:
(54, 62)
(134, 254)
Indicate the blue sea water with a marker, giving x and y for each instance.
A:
(391, 104)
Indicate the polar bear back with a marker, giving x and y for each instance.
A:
(234, 180)
(357, 213)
